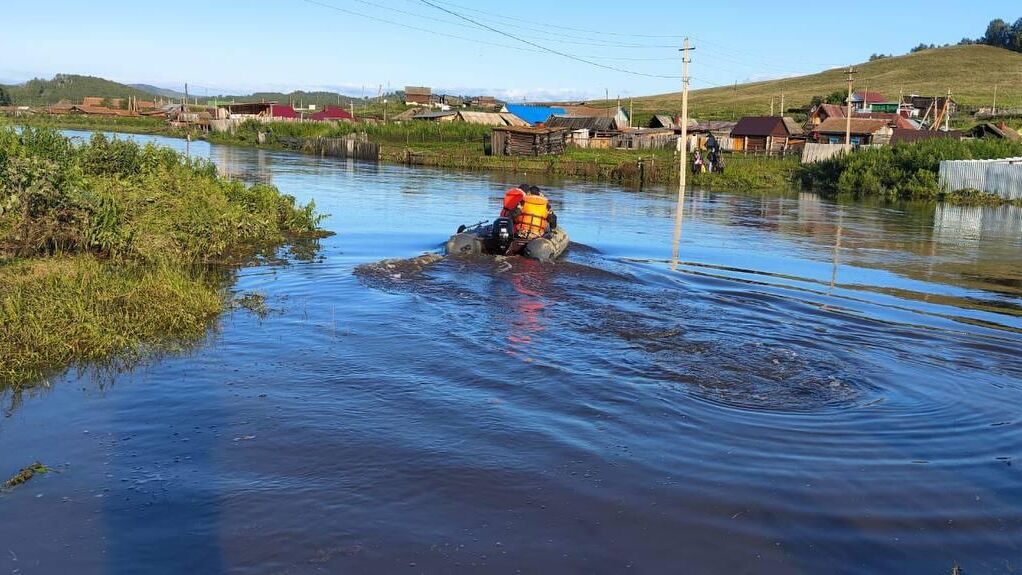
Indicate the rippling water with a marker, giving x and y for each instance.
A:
(814, 388)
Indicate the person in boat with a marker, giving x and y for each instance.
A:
(530, 212)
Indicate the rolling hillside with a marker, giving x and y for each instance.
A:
(71, 87)
(969, 71)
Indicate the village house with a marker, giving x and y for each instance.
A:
(863, 131)
(862, 101)
(332, 114)
(926, 108)
(766, 134)
(824, 112)
(485, 102)
(418, 96)
(260, 111)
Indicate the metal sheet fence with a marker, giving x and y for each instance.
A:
(1002, 177)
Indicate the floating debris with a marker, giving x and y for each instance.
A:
(255, 303)
(25, 474)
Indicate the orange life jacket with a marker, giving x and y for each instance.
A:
(512, 198)
(531, 221)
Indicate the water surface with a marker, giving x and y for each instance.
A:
(813, 387)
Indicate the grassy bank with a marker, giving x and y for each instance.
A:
(460, 146)
(111, 249)
(904, 171)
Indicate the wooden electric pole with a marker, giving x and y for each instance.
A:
(848, 114)
(682, 154)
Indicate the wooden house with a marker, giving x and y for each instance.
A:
(418, 96)
(527, 141)
(863, 132)
(824, 112)
(766, 134)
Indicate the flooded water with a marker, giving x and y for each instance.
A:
(812, 387)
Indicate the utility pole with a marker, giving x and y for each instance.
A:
(184, 105)
(682, 153)
(631, 110)
(995, 98)
(782, 104)
(848, 115)
(734, 102)
(771, 107)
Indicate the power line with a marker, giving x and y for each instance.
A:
(588, 40)
(544, 48)
(554, 26)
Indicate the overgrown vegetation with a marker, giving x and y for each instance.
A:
(100, 246)
(903, 171)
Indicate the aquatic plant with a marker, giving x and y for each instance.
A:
(99, 245)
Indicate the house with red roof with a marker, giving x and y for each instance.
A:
(332, 114)
(863, 100)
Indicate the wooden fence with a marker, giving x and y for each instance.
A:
(1002, 177)
(356, 147)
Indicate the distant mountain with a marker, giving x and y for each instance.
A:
(158, 91)
(72, 87)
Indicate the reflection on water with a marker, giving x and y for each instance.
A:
(793, 386)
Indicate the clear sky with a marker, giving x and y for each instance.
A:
(343, 45)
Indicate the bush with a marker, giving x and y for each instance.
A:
(906, 171)
(114, 198)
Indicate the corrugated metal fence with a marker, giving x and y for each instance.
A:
(1002, 177)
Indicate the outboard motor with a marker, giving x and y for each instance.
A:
(502, 234)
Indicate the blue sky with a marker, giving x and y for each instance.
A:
(343, 45)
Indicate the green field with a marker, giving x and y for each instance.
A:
(971, 72)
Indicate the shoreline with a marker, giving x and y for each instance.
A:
(636, 168)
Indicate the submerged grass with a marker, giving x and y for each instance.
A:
(100, 246)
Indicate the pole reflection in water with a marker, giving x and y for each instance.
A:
(679, 215)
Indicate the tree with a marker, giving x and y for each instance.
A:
(5, 98)
(1015, 36)
(998, 33)
(838, 97)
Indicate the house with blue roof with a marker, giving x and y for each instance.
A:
(534, 114)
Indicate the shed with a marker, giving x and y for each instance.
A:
(997, 131)
(332, 113)
(528, 141)
(534, 114)
(663, 121)
(418, 95)
(646, 139)
(863, 131)
(592, 125)
(765, 133)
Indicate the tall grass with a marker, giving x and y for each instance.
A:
(98, 246)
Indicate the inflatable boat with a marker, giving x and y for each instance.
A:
(498, 239)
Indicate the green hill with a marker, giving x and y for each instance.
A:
(71, 87)
(969, 71)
